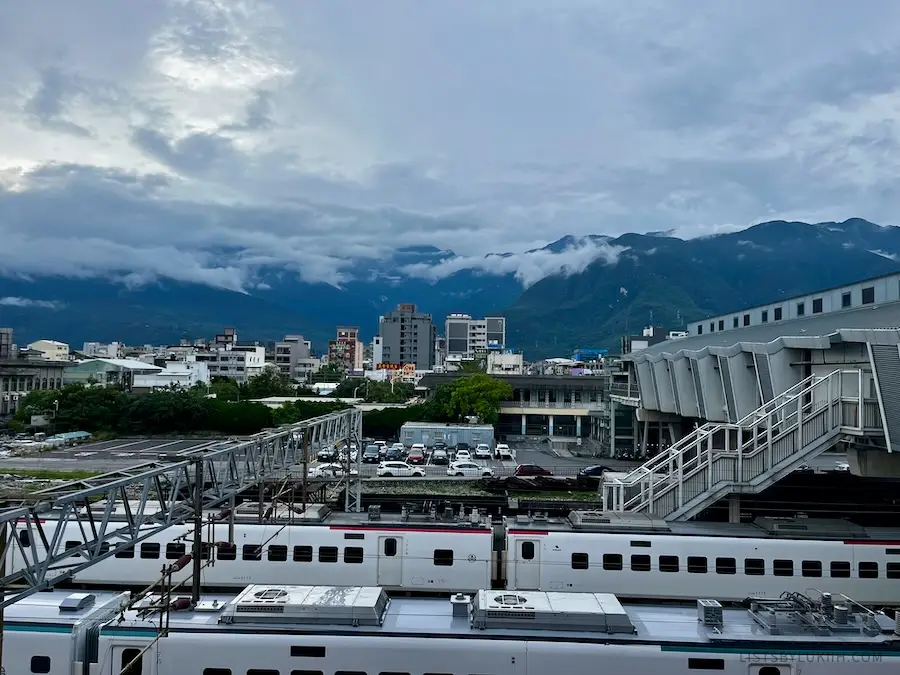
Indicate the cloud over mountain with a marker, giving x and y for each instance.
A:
(204, 140)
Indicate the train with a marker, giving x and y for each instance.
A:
(631, 555)
(307, 630)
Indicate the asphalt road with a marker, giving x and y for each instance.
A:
(126, 453)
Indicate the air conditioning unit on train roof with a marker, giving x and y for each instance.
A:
(336, 605)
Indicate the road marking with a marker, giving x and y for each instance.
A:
(84, 454)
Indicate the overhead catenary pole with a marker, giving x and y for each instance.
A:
(198, 530)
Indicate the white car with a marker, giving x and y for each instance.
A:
(469, 469)
(841, 466)
(328, 471)
(482, 451)
(462, 456)
(503, 451)
(399, 469)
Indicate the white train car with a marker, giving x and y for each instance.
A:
(302, 630)
(49, 632)
(639, 557)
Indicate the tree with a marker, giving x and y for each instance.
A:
(473, 366)
(478, 395)
(270, 382)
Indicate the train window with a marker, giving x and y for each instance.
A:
(174, 551)
(303, 554)
(353, 554)
(868, 570)
(349, 672)
(443, 557)
(640, 563)
(74, 544)
(783, 568)
(811, 568)
(696, 564)
(227, 551)
(769, 670)
(104, 548)
(893, 570)
(640, 543)
(755, 567)
(726, 566)
(205, 547)
(127, 552)
(25, 538)
(217, 671)
(328, 554)
(612, 562)
(262, 671)
(149, 550)
(307, 672)
(277, 553)
(840, 569)
(391, 672)
(390, 547)
(527, 550)
(40, 664)
(251, 552)
(579, 561)
(310, 652)
(132, 662)
(887, 551)
(354, 535)
(706, 664)
(668, 563)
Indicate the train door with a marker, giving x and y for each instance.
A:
(131, 660)
(528, 564)
(390, 561)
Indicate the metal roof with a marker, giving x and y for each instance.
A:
(433, 380)
(884, 316)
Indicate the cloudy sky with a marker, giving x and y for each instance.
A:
(202, 139)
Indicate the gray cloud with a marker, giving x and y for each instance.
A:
(11, 301)
(201, 140)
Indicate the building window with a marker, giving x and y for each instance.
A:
(721, 324)
(699, 329)
(778, 313)
(712, 326)
(845, 300)
(868, 295)
(734, 322)
(817, 305)
(746, 319)
(765, 316)
(801, 309)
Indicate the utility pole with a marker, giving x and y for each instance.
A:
(198, 530)
(3, 529)
(305, 477)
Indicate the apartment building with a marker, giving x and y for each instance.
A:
(467, 337)
(407, 337)
(346, 350)
(7, 348)
(291, 356)
(239, 362)
(101, 350)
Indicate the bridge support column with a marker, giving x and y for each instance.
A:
(578, 426)
(524, 425)
(734, 509)
(550, 424)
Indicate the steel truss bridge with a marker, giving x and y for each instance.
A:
(176, 490)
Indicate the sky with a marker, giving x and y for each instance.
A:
(202, 140)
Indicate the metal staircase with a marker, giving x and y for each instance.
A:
(748, 456)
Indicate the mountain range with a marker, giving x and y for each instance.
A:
(576, 292)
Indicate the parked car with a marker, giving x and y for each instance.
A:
(841, 466)
(382, 448)
(328, 471)
(469, 469)
(532, 470)
(439, 456)
(461, 446)
(462, 456)
(400, 469)
(394, 454)
(439, 445)
(371, 454)
(327, 455)
(503, 452)
(594, 471)
(482, 451)
(416, 454)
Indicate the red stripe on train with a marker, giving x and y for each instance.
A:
(870, 542)
(534, 532)
(360, 528)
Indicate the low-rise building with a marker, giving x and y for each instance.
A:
(111, 350)
(429, 433)
(238, 362)
(504, 363)
(180, 374)
(22, 375)
(51, 349)
(107, 372)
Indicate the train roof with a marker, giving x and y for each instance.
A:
(639, 523)
(62, 608)
(333, 610)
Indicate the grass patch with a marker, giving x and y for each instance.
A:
(46, 474)
(558, 496)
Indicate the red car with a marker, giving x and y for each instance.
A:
(532, 470)
(415, 457)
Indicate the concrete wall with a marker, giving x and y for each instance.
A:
(687, 393)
